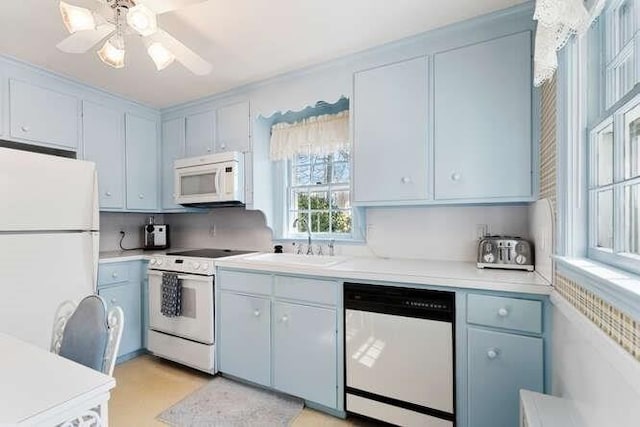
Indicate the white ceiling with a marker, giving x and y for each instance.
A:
(245, 40)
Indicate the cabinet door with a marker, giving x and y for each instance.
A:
(390, 133)
(232, 127)
(142, 163)
(499, 366)
(483, 120)
(128, 297)
(42, 115)
(172, 150)
(244, 341)
(304, 352)
(102, 134)
(199, 134)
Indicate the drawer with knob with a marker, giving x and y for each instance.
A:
(502, 312)
(112, 273)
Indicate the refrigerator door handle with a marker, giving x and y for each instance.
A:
(95, 241)
(95, 223)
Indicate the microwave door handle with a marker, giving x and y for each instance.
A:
(217, 182)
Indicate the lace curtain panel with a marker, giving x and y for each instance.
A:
(558, 20)
(319, 134)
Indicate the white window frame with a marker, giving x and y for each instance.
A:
(328, 188)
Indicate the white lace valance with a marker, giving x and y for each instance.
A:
(319, 134)
(558, 20)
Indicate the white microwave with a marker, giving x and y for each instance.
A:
(211, 180)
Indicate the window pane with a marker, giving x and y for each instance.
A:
(625, 19)
(604, 156)
(341, 221)
(320, 222)
(604, 212)
(319, 200)
(301, 175)
(341, 172)
(302, 159)
(301, 224)
(340, 200)
(632, 219)
(341, 156)
(299, 200)
(320, 173)
(631, 143)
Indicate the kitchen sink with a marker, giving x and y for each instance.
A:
(298, 260)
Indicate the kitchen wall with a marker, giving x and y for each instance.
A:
(434, 232)
(131, 223)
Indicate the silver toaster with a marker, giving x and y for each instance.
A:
(505, 252)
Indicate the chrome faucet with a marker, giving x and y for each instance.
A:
(295, 225)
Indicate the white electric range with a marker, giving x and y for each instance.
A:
(188, 339)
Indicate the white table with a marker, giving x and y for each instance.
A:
(40, 388)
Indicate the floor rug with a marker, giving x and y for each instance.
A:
(223, 403)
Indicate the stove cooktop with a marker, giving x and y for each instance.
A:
(209, 253)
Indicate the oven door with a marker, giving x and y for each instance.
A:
(196, 321)
(198, 184)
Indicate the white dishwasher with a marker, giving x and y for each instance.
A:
(399, 354)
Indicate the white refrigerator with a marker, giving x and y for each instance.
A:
(49, 233)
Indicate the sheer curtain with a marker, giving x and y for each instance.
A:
(558, 20)
(319, 134)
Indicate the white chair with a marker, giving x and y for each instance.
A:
(88, 333)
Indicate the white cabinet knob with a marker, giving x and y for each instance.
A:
(285, 318)
(405, 179)
(223, 146)
(114, 275)
(107, 193)
(113, 301)
(24, 128)
(208, 150)
(492, 353)
(503, 312)
(140, 196)
(455, 176)
(256, 313)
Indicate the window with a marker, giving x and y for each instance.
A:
(613, 158)
(319, 194)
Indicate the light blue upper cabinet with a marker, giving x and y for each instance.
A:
(43, 116)
(483, 134)
(102, 135)
(173, 136)
(200, 134)
(390, 119)
(142, 163)
(304, 352)
(232, 127)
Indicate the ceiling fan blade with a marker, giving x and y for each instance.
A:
(163, 6)
(194, 62)
(82, 41)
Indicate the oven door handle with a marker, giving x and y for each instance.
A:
(189, 277)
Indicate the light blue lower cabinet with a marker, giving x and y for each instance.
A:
(244, 344)
(499, 365)
(127, 294)
(304, 352)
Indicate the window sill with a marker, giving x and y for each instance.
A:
(620, 288)
(314, 240)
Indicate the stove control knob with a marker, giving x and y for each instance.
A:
(159, 262)
(205, 266)
(489, 258)
(153, 261)
(196, 265)
(521, 259)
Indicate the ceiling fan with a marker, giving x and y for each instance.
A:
(119, 18)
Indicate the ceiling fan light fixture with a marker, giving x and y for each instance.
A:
(161, 56)
(76, 18)
(112, 53)
(142, 19)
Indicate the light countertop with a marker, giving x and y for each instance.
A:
(419, 272)
(422, 272)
